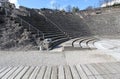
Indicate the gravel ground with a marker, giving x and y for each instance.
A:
(35, 58)
(30, 58)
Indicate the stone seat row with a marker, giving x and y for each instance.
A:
(85, 43)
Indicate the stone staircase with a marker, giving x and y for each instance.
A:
(49, 29)
(68, 22)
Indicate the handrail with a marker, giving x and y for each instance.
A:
(22, 20)
(51, 21)
(54, 24)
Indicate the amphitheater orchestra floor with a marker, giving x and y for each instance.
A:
(29, 65)
(95, 59)
(83, 71)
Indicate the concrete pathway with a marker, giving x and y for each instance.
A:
(34, 58)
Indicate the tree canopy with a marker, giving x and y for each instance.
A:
(75, 9)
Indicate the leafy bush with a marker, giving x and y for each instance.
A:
(116, 4)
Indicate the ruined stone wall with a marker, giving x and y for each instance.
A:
(13, 35)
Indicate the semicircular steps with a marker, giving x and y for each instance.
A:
(85, 43)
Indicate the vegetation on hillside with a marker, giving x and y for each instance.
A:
(116, 5)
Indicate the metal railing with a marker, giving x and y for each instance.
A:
(51, 21)
(23, 22)
(54, 24)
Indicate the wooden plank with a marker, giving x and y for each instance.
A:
(19, 76)
(34, 73)
(114, 66)
(118, 63)
(98, 77)
(74, 72)
(86, 70)
(94, 71)
(116, 76)
(112, 70)
(61, 74)
(89, 71)
(5, 71)
(113, 75)
(28, 73)
(2, 69)
(102, 77)
(104, 69)
(41, 72)
(91, 77)
(105, 76)
(9, 73)
(47, 73)
(54, 73)
(101, 70)
(12, 76)
(68, 74)
(81, 72)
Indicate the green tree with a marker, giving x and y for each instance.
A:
(62, 10)
(75, 9)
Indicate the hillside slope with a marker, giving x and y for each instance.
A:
(104, 23)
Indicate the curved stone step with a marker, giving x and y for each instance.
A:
(58, 37)
(85, 43)
(77, 43)
(53, 35)
(91, 44)
(57, 42)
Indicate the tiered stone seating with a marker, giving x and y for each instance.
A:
(68, 22)
(91, 44)
(85, 43)
(76, 43)
(46, 27)
(91, 23)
